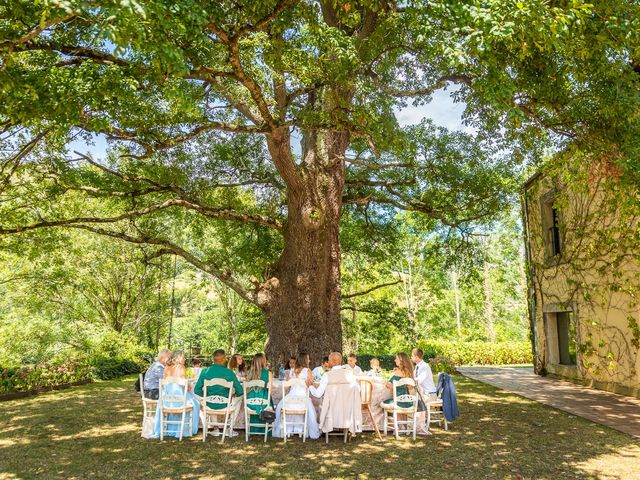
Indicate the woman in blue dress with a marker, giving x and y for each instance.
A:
(174, 372)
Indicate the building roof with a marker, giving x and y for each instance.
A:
(532, 179)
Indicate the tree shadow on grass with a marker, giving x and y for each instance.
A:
(94, 431)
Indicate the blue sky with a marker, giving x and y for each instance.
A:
(442, 110)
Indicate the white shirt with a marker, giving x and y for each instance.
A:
(356, 370)
(424, 377)
(318, 372)
(318, 392)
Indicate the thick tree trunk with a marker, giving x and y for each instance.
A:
(301, 300)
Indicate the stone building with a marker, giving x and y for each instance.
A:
(582, 240)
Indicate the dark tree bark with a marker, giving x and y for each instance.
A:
(301, 300)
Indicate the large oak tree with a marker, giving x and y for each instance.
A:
(274, 120)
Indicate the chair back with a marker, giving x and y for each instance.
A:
(249, 384)
(221, 399)
(141, 380)
(342, 403)
(294, 399)
(256, 401)
(405, 398)
(439, 390)
(366, 390)
(173, 400)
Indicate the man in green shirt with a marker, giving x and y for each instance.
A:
(219, 370)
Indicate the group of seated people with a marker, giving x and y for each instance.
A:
(171, 366)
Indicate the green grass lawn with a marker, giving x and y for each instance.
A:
(93, 431)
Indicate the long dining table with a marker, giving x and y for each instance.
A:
(380, 394)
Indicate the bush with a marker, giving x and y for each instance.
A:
(387, 362)
(37, 377)
(452, 353)
(70, 370)
(106, 368)
(478, 353)
(442, 364)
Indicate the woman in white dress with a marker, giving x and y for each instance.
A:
(303, 372)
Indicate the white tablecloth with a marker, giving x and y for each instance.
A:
(380, 393)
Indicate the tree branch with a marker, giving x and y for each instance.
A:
(374, 166)
(150, 146)
(380, 183)
(358, 294)
(35, 32)
(214, 213)
(69, 222)
(419, 92)
(169, 248)
(264, 22)
(16, 159)
(187, 201)
(359, 309)
(75, 51)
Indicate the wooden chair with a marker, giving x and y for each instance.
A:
(394, 409)
(170, 404)
(366, 396)
(210, 416)
(148, 405)
(435, 412)
(291, 406)
(260, 404)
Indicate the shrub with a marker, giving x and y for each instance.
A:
(60, 371)
(387, 362)
(461, 353)
(442, 364)
(37, 377)
(106, 368)
(479, 353)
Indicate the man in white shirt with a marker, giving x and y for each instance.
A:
(424, 378)
(422, 372)
(352, 364)
(318, 372)
(335, 363)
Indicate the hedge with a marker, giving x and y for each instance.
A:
(29, 378)
(106, 368)
(462, 353)
(479, 353)
(41, 377)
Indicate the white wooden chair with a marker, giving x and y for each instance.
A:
(174, 404)
(393, 409)
(292, 405)
(260, 404)
(366, 397)
(148, 405)
(210, 417)
(435, 412)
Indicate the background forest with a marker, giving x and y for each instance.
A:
(70, 296)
